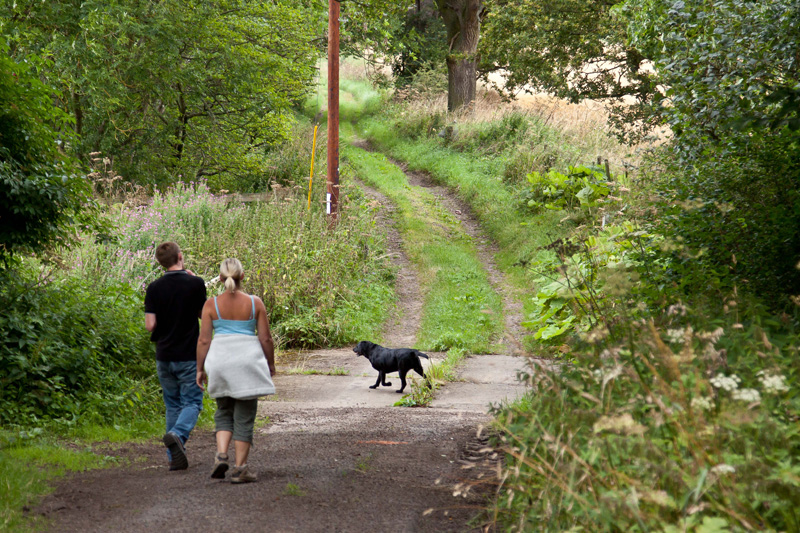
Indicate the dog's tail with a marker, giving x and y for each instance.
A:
(422, 354)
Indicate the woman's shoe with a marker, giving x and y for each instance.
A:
(220, 466)
(242, 475)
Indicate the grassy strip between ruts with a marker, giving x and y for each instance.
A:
(461, 309)
(521, 237)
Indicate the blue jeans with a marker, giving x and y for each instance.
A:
(182, 397)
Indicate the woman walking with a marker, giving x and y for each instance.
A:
(237, 365)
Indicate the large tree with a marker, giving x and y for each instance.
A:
(174, 88)
(41, 190)
(380, 27)
(574, 49)
(462, 18)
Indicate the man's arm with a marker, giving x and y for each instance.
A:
(150, 321)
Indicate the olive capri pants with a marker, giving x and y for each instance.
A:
(236, 416)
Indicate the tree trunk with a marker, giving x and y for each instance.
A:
(462, 18)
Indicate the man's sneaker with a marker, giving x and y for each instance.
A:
(176, 450)
(220, 466)
(242, 475)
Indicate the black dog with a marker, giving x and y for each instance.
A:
(386, 360)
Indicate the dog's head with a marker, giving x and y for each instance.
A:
(363, 348)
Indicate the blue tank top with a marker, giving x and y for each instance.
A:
(239, 327)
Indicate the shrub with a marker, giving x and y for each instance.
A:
(72, 349)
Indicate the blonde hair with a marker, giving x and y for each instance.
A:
(231, 272)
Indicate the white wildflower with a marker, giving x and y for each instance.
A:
(772, 383)
(605, 374)
(722, 468)
(597, 334)
(676, 309)
(676, 335)
(711, 336)
(726, 383)
(701, 402)
(746, 395)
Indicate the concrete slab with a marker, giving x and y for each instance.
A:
(491, 369)
(336, 360)
(475, 397)
(483, 380)
(334, 391)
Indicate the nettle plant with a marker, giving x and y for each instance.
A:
(667, 428)
(580, 187)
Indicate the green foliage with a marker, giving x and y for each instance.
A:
(580, 187)
(573, 49)
(73, 349)
(41, 191)
(421, 42)
(659, 428)
(173, 90)
(733, 197)
(285, 164)
(582, 282)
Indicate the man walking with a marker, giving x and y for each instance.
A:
(172, 306)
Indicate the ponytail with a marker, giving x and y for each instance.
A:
(231, 272)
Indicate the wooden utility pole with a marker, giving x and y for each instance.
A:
(333, 109)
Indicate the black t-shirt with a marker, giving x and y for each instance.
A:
(176, 298)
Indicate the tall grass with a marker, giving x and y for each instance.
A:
(321, 286)
(652, 430)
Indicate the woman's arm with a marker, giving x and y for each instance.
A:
(204, 343)
(264, 334)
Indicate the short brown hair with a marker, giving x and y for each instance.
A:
(167, 254)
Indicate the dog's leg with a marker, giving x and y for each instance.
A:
(380, 375)
(385, 383)
(402, 380)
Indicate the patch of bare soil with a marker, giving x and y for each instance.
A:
(340, 470)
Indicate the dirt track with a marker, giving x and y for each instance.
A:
(331, 454)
